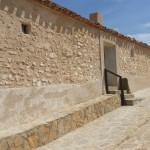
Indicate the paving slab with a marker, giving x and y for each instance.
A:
(112, 131)
(139, 141)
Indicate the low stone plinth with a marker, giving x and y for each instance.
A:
(54, 126)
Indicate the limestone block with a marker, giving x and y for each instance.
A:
(13, 53)
(43, 134)
(46, 47)
(17, 78)
(2, 60)
(34, 80)
(7, 65)
(33, 140)
(54, 125)
(47, 70)
(18, 141)
(73, 125)
(42, 65)
(61, 125)
(41, 71)
(52, 56)
(34, 64)
(79, 54)
(68, 124)
(76, 116)
(11, 141)
(67, 53)
(31, 49)
(3, 76)
(4, 145)
(53, 135)
(26, 146)
(39, 83)
(53, 130)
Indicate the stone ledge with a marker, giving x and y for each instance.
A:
(63, 122)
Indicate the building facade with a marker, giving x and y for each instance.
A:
(52, 58)
(44, 44)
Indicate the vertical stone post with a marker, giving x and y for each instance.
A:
(101, 44)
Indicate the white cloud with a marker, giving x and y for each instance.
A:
(116, 29)
(147, 25)
(142, 37)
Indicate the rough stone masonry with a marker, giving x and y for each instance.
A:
(58, 48)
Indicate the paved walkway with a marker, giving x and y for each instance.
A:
(127, 128)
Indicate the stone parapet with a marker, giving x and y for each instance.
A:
(25, 105)
(64, 122)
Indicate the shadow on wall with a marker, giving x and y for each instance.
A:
(32, 10)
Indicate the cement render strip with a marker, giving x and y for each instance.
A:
(50, 117)
(111, 131)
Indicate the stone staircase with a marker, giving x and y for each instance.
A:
(53, 126)
(130, 99)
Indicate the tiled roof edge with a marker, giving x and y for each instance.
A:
(76, 16)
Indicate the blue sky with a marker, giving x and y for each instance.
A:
(130, 17)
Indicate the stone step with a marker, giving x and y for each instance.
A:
(117, 92)
(127, 96)
(130, 100)
(113, 88)
(114, 92)
(133, 101)
(54, 126)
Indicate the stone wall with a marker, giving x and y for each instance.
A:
(132, 61)
(58, 49)
(134, 64)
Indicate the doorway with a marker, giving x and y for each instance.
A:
(110, 62)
